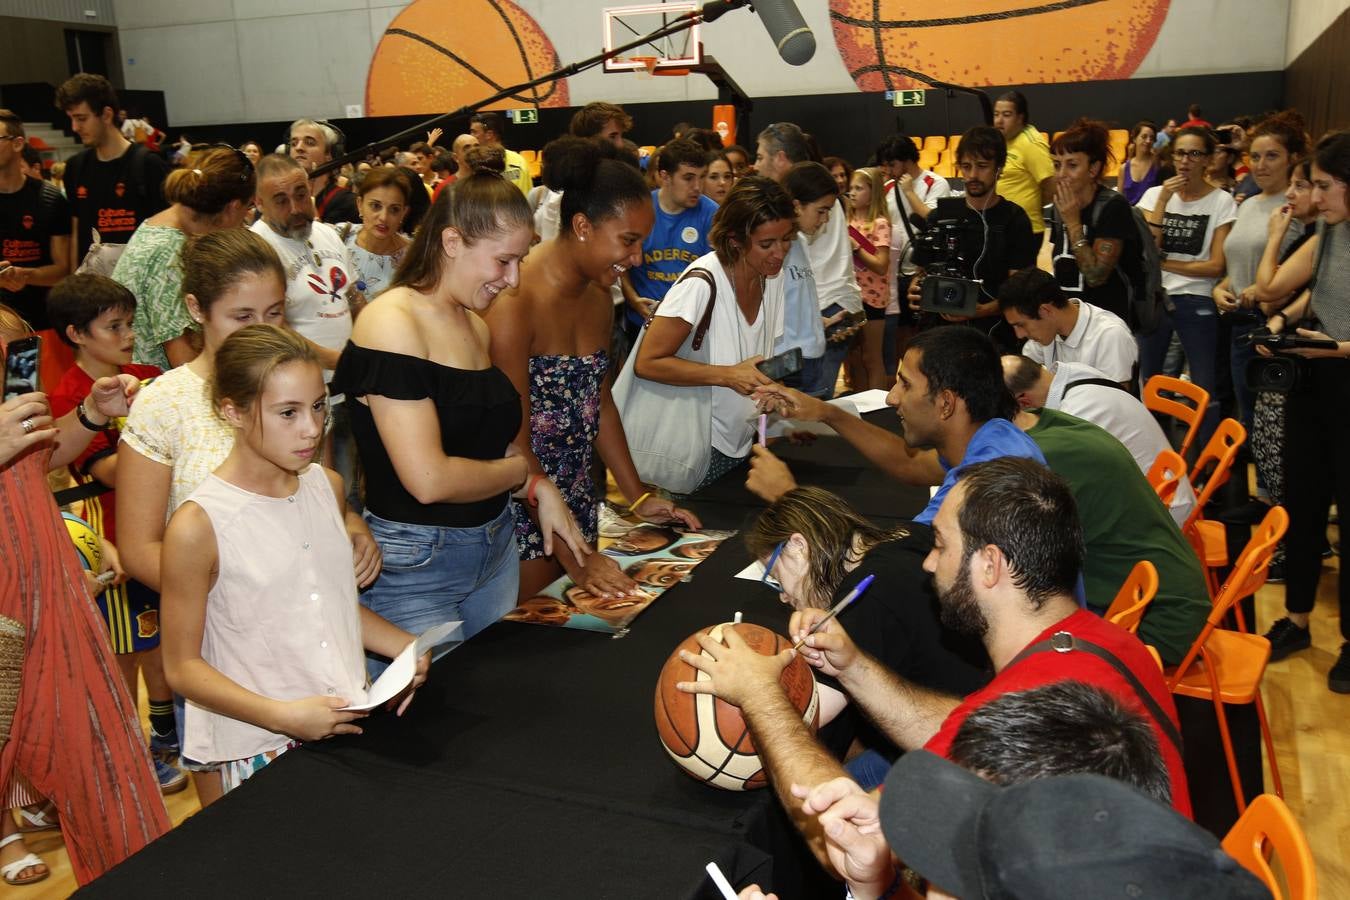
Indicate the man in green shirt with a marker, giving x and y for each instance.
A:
(1124, 522)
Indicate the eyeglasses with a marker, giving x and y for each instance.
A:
(9, 137)
(767, 579)
(1190, 154)
(247, 174)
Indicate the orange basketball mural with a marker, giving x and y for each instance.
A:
(438, 55)
(883, 43)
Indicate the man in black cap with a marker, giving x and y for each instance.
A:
(1070, 836)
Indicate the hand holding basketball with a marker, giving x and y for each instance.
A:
(706, 735)
(736, 672)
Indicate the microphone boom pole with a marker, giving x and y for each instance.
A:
(683, 22)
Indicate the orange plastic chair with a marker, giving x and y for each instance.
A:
(1211, 470)
(928, 157)
(1165, 475)
(934, 142)
(1226, 666)
(1167, 406)
(1269, 827)
(1153, 652)
(1140, 586)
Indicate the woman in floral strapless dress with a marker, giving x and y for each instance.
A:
(551, 336)
(565, 395)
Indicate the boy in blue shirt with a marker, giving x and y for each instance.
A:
(680, 235)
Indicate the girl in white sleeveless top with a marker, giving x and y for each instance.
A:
(262, 631)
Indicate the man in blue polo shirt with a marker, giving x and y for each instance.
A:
(680, 235)
(954, 411)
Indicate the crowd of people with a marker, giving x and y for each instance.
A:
(310, 416)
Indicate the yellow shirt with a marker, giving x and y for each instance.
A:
(518, 172)
(1028, 165)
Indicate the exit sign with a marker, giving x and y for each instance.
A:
(525, 116)
(906, 98)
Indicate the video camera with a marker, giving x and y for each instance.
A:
(1280, 374)
(948, 287)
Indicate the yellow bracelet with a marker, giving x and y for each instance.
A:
(638, 502)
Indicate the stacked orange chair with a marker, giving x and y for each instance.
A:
(1165, 475)
(1191, 412)
(1210, 471)
(1227, 666)
(1138, 591)
(1268, 828)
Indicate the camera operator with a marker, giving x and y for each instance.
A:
(1318, 431)
(986, 238)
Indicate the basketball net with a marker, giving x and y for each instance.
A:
(648, 67)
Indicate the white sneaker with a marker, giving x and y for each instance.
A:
(611, 524)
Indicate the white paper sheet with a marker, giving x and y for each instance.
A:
(401, 671)
(867, 401)
(781, 427)
(752, 572)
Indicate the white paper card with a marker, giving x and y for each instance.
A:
(782, 427)
(867, 401)
(752, 572)
(401, 671)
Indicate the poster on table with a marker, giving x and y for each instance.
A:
(656, 557)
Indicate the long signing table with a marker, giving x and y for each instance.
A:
(528, 766)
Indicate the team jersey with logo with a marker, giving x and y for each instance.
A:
(29, 218)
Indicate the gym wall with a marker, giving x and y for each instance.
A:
(258, 61)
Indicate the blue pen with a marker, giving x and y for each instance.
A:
(838, 608)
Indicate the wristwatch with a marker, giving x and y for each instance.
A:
(86, 421)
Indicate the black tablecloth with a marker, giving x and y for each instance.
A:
(528, 766)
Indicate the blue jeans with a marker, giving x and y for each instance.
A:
(434, 574)
(868, 769)
(827, 372)
(1196, 322)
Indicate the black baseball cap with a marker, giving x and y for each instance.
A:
(1070, 837)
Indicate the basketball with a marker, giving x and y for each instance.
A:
(992, 42)
(86, 542)
(437, 56)
(705, 736)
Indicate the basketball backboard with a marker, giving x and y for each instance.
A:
(625, 24)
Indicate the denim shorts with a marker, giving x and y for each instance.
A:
(436, 574)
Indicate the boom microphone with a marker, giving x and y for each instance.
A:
(787, 29)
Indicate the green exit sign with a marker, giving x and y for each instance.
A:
(908, 98)
(525, 116)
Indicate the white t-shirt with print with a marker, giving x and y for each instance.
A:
(320, 276)
(730, 340)
(1188, 234)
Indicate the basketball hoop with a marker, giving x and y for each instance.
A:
(646, 66)
(672, 54)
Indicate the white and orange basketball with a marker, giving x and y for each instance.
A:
(992, 42)
(705, 736)
(437, 56)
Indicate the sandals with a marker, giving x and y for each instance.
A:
(41, 817)
(11, 871)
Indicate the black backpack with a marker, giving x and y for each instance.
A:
(1147, 299)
